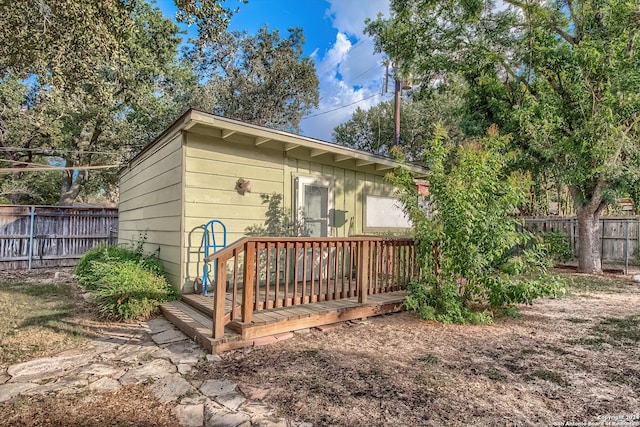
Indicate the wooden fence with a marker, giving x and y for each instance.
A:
(619, 235)
(51, 236)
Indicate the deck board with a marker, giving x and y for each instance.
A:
(195, 316)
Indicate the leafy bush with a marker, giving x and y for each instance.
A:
(88, 276)
(558, 245)
(472, 254)
(128, 284)
(127, 290)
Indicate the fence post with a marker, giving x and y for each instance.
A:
(219, 298)
(626, 247)
(247, 281)
(31, 228)
(363, 272)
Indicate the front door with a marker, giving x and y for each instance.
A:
(314, 201)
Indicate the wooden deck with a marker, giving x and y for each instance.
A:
(194, 314)
(266, 286)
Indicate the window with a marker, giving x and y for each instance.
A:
(385, 212)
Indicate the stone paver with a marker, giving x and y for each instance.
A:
(214, 388)
(45, 368)
(153, 370)
(190, 415)
(156, 353)
(166, 337)
(11, 390)
(171, 387)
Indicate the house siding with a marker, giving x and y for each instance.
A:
(350, 190)
(151, 204)
(213, 166)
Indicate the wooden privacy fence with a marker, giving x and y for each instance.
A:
(52, 236)
(619, 235)
(263, 273)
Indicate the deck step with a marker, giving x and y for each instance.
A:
(190, 319)
(197, 326)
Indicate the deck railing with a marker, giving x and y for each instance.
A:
(260, 273)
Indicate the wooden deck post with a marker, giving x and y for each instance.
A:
(363, 272)
(247, 281)
(219, 298)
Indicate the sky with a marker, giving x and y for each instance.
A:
(351, 75)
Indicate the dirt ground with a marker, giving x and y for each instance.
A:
(574, 359)
(569, 360)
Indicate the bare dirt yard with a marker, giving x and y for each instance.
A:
(569, 360)
(574, 359)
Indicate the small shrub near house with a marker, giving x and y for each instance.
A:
(474, 261)
(127, 284)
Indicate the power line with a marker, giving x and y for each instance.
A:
(58, 168)
(340, 107)
(45, 152)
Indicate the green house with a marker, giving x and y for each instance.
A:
(206, 167)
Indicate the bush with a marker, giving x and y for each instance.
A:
(472, 255)
(558, 245)
(127, 284)
(127, 290)
(88, 276)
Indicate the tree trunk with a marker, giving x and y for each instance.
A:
(589, 256)
(71, 186)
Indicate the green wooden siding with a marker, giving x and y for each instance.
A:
(151, 204)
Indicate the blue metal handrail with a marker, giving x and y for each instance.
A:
(210, 244)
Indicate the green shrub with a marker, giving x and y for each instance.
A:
(558, 245)
(472, 254)
(126, 290)
(88, 276)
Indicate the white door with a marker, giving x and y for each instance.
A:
(314, 202)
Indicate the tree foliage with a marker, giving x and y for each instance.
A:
(95, 118)
(471, 251)
(562, 76)
(262, 79)
(421, 111)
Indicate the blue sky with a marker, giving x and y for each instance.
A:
(350, 74)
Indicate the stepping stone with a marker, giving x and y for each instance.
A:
(11, 390)
(63, 384)
(189, 415)
(214, 388)
(215, 417)
(157, 325)
(231, 401)
(171, 387)
(153, 370)
(170, 336)
(184, 368)
(99, 369)
(105, 384)
(45, 368)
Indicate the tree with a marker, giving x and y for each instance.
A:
(101, 118)
(261, 79)
(69, 39)
(421, 111)
(562, 76)
(466, 240)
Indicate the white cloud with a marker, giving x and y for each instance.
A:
(350, 74)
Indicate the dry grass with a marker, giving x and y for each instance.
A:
(41, 316)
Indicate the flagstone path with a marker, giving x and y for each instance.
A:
(153, 353)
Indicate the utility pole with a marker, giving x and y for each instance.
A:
(396, 113)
